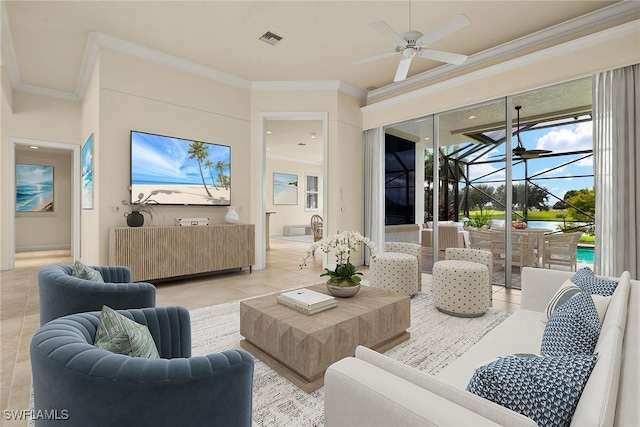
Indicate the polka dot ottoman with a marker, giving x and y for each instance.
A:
(396, 272)
(460, 288)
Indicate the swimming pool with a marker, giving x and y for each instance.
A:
(585, 254)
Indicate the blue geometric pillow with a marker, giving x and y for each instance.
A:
(573, 328)
(588, 282)
(581, 274)
(545, 389)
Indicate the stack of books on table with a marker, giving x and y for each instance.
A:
(307, 301)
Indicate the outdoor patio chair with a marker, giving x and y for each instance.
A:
(522, 249)
(479, 239)
(561, 249)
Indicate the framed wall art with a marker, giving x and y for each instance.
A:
(34, 188)
(87, 174)
(285, 189)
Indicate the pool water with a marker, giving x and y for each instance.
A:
(585, 254)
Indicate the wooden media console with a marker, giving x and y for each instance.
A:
(154, 253)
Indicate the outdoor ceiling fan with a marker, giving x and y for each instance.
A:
(520, 150)
(414, 43)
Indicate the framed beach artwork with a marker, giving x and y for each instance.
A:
(285, 189)
(87, 174)
(34, 188)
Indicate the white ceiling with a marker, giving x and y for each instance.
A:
(321, 38)
(295, 139)
(44, 43)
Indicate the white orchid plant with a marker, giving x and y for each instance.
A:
(341, 245)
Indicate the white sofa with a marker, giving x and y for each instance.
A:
(371, 389)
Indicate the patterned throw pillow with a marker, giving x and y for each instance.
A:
(564, 294)
(83, 271)
(573, 328)
(545, 389)
(120, 335)
(588, 282)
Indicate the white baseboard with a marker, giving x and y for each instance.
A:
(42, 248)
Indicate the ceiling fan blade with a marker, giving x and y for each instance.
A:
(374, 58)
(448, 57)
(455, 24)
(389, 32)
(403, 69)
(538, 152)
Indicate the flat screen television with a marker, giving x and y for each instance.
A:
(179, 171)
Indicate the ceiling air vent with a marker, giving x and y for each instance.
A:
(271, 38)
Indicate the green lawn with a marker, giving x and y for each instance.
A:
(550, 215)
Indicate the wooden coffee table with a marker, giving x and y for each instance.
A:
(301, 347)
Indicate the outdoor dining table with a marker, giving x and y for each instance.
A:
(538, 232)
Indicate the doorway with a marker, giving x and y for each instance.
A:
(294, 149)
(19, 144)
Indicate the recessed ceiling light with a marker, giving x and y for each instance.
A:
(33, 147)
(426, 138)
(473, 117)
(313, 135)
(268, 132)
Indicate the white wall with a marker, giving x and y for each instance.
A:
(6, 104)
(291, 214)
(33, 117)
(343, 182)
(47, 230)
(90, 124)
(139, 95)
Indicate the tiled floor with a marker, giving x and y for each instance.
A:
(19, 302)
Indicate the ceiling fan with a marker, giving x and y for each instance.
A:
(520, 150)
(414, 42)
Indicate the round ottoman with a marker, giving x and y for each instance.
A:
(395, 271)
(460, 288)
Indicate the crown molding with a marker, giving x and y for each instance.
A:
(602, 16)
(531, 59)
(91, 51)
(43, 91)
(119, 45)
(97, 40)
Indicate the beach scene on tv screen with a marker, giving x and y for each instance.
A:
(180, 171)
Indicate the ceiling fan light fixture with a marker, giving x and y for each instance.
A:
(409, 52)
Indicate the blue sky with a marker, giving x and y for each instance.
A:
(34, 174)
(566, 138)
(166, 160)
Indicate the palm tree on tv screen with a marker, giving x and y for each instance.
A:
(222, 178)
(199, 151)
(209, 166)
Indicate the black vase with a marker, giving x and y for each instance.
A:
(135, 219)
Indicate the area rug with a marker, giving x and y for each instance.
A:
(436, 340)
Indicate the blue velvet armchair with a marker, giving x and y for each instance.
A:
(89, 386)
(62, 294)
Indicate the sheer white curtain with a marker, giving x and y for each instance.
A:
(374, 188)
(616, 107)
